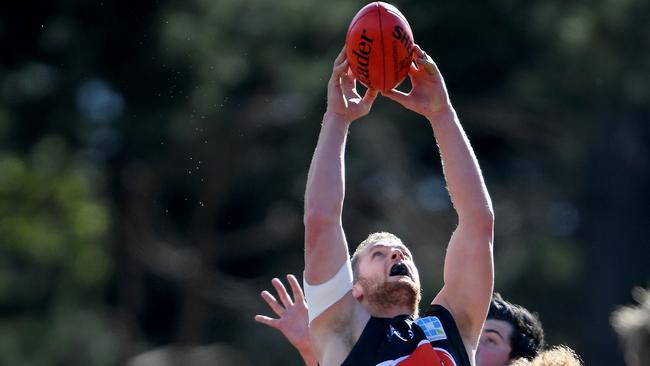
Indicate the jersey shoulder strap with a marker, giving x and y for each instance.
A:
(440, 329)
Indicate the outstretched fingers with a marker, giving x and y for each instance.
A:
(273, 303)
(267, 321)
(282, 292)
(298, 295)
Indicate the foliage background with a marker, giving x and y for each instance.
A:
(153, 156)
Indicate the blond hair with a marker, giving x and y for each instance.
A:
(556, 356)
(632, 324)
(371, 239)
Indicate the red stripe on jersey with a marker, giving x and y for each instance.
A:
(424, 354)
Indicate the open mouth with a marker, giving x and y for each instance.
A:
(399, 269)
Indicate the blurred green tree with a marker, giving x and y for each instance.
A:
(153, 157)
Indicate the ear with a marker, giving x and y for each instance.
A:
(357, 291)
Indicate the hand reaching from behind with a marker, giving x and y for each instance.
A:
(292, 318)
(343, 99)
(428, 95)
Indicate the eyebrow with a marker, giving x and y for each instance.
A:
(401, 247)
(493, 331)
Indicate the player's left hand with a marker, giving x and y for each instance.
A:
(428, 95)
(292, 318)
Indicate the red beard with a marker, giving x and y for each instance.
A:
(389, 294)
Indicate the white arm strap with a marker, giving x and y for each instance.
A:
(320, 297)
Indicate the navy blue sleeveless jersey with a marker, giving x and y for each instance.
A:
(403, 341)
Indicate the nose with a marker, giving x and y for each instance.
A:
(396, 254)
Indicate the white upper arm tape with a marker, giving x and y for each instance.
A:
(320, 297)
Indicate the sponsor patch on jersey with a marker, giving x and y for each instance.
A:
(432, 328)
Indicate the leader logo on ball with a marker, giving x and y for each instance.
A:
(379, 46)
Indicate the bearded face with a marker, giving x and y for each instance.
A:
(383, 294)
(388, 279)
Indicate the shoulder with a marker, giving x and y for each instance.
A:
(335, 332)
(441, 329)
(465, 317)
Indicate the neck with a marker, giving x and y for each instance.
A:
(390, 311)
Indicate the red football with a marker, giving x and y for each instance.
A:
(379, 46)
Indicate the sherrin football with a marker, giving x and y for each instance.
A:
(379, 46)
